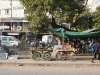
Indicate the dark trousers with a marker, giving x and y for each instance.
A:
(95, 55)
(99, 55)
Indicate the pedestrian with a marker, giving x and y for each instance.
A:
(99, 55)
(99, 52)
(95, 50)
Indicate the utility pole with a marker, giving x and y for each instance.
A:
(11, 13)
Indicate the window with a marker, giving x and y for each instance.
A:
(4, 38)
(10, 39)
(25, 12)
(49, 37)
(6, 11)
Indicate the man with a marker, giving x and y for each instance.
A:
(99, 52)
(95, 50)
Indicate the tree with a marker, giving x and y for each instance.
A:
(51, 13)
(84, 20)
(96, 17)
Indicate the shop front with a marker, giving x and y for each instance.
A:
(13, 27)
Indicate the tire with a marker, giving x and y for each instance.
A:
(59, 56)
(36, 56)
(46, 56)
(73, 58)
(14, 46)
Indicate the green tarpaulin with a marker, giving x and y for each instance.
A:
(57, 31)
(71, 34)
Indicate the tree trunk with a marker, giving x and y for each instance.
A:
(59, 41)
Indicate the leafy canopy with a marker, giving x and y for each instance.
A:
(96, 17)
(43, 13)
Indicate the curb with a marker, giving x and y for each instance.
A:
(50, 65)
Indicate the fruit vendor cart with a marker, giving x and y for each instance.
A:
(59, 51)
(65, 52)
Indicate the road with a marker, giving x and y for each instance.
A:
(45, 70)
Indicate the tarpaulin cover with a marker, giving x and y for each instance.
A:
(71, 34)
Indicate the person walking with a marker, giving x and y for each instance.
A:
(95, 51)
(99, 52)
(99, 55)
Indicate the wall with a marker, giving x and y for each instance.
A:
(17, 9)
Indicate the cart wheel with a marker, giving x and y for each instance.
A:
(72, 58)
(46, 56)
(36, 56)
(59, 56)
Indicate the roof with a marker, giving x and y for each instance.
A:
(71, 34)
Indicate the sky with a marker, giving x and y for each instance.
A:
(93, 4)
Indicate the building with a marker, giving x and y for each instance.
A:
(12, 17)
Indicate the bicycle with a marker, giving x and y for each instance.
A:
(41, 54)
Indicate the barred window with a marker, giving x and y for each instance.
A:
(6, 11)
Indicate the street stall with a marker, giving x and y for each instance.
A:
(63, 51)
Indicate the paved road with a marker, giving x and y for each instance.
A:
(80, 61)
(45, 70)
(31, 62)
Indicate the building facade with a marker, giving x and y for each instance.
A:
(12, 17)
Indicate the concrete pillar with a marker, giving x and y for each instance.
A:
(14, 27)
(3, 25)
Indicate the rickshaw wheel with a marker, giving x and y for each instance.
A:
(59, 56)
(72, 58)
(36, 56)
(46, 56)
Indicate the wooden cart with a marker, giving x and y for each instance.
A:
(63, 54)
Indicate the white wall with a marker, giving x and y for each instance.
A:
(17, 9)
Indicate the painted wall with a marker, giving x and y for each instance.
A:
(17, 9)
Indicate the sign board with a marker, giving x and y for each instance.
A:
(25, 21)
(4, 27)
(6, 20)
(13, 33)
(17, 20)
(18, 7)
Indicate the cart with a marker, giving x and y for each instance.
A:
(57, 51)
(66, 54)
(41, 54)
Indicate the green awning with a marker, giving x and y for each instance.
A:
(71, 34)
(57, 31)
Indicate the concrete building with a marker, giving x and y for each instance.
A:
(12, 17)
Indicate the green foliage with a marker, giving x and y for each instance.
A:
(96, 17)
(31, 50)
(47, 48)
(82, 22)
(60, 10)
